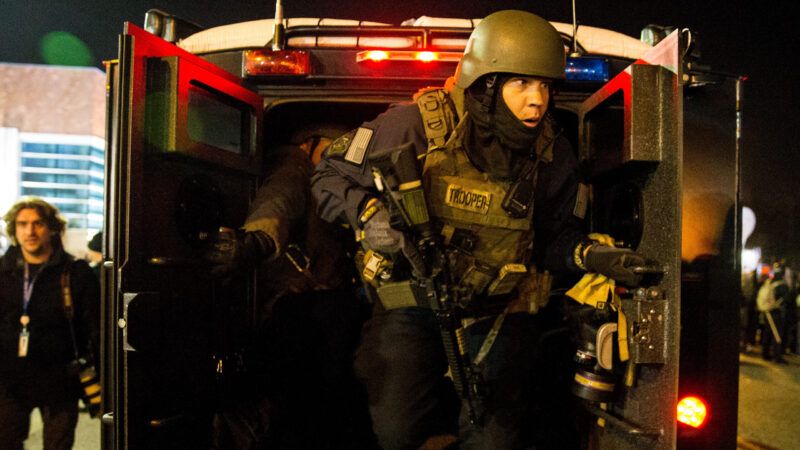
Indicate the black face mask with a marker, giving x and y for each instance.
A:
(496, 140)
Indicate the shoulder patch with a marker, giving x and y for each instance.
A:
(340, 145)
(581, 201)
(358, 146)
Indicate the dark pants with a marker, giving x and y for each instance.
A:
(770, 348)
(316, 402)
(59, 419)
(402, 364)
(748, 318)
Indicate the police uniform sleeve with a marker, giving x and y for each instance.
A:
(557, 214)
(343, 179)
(283, 196)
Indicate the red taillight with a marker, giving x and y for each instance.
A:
(282, 62)
(406, 55)
(692, 411)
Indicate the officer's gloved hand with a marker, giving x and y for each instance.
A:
(615, 263)
(378, 235)
(377, 232)
(233, 251)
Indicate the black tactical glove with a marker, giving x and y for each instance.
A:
(377, 232)
(615, 263)
(378, 235)
(236, 250)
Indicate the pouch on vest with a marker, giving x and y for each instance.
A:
(438, 115)
(510, 275)
(533, 292)
(477, 277)
(402, 294)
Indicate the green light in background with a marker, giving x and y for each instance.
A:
(65, 49)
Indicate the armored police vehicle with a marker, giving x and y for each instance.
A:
(192, 113)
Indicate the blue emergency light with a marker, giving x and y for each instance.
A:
(587, 69)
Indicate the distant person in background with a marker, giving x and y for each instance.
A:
(37, 344)
(797, 323)
(748, 314)
(760, 276)
(3, 239)
(94, 253)
(790, 310)
(772, 298)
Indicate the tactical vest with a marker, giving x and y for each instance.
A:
(466, 202)
(488, 251)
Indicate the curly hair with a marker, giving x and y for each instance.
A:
(49, 214)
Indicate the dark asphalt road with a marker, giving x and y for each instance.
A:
(769, 408)
(769, 402)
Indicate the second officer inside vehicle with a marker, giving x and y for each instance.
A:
(308, 314)
(501, 142)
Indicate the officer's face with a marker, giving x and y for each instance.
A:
(32, 233)
(527, 98)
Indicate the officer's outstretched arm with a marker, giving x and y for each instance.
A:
(237, 250)
(284, 197)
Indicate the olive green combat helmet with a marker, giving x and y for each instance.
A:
(512, 42)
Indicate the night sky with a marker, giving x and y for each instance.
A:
(755, 39)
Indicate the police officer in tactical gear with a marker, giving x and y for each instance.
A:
(308, 316)
(500, 176)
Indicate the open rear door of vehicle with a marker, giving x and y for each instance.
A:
(661, 144)
(631, 141)
(183, 160)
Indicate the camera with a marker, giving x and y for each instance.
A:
(90, 384)
(594, 379)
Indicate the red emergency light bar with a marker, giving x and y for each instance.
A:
(406, 55)
(281, 62)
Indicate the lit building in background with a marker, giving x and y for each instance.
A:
(52, 141)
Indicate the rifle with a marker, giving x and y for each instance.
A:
(397, 176)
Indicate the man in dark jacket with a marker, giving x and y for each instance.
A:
(36, 338)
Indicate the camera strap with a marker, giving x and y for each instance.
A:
(69, 310)
(87, 374)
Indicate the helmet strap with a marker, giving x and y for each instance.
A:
(490, 94)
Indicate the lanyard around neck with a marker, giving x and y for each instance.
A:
(27, 287)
